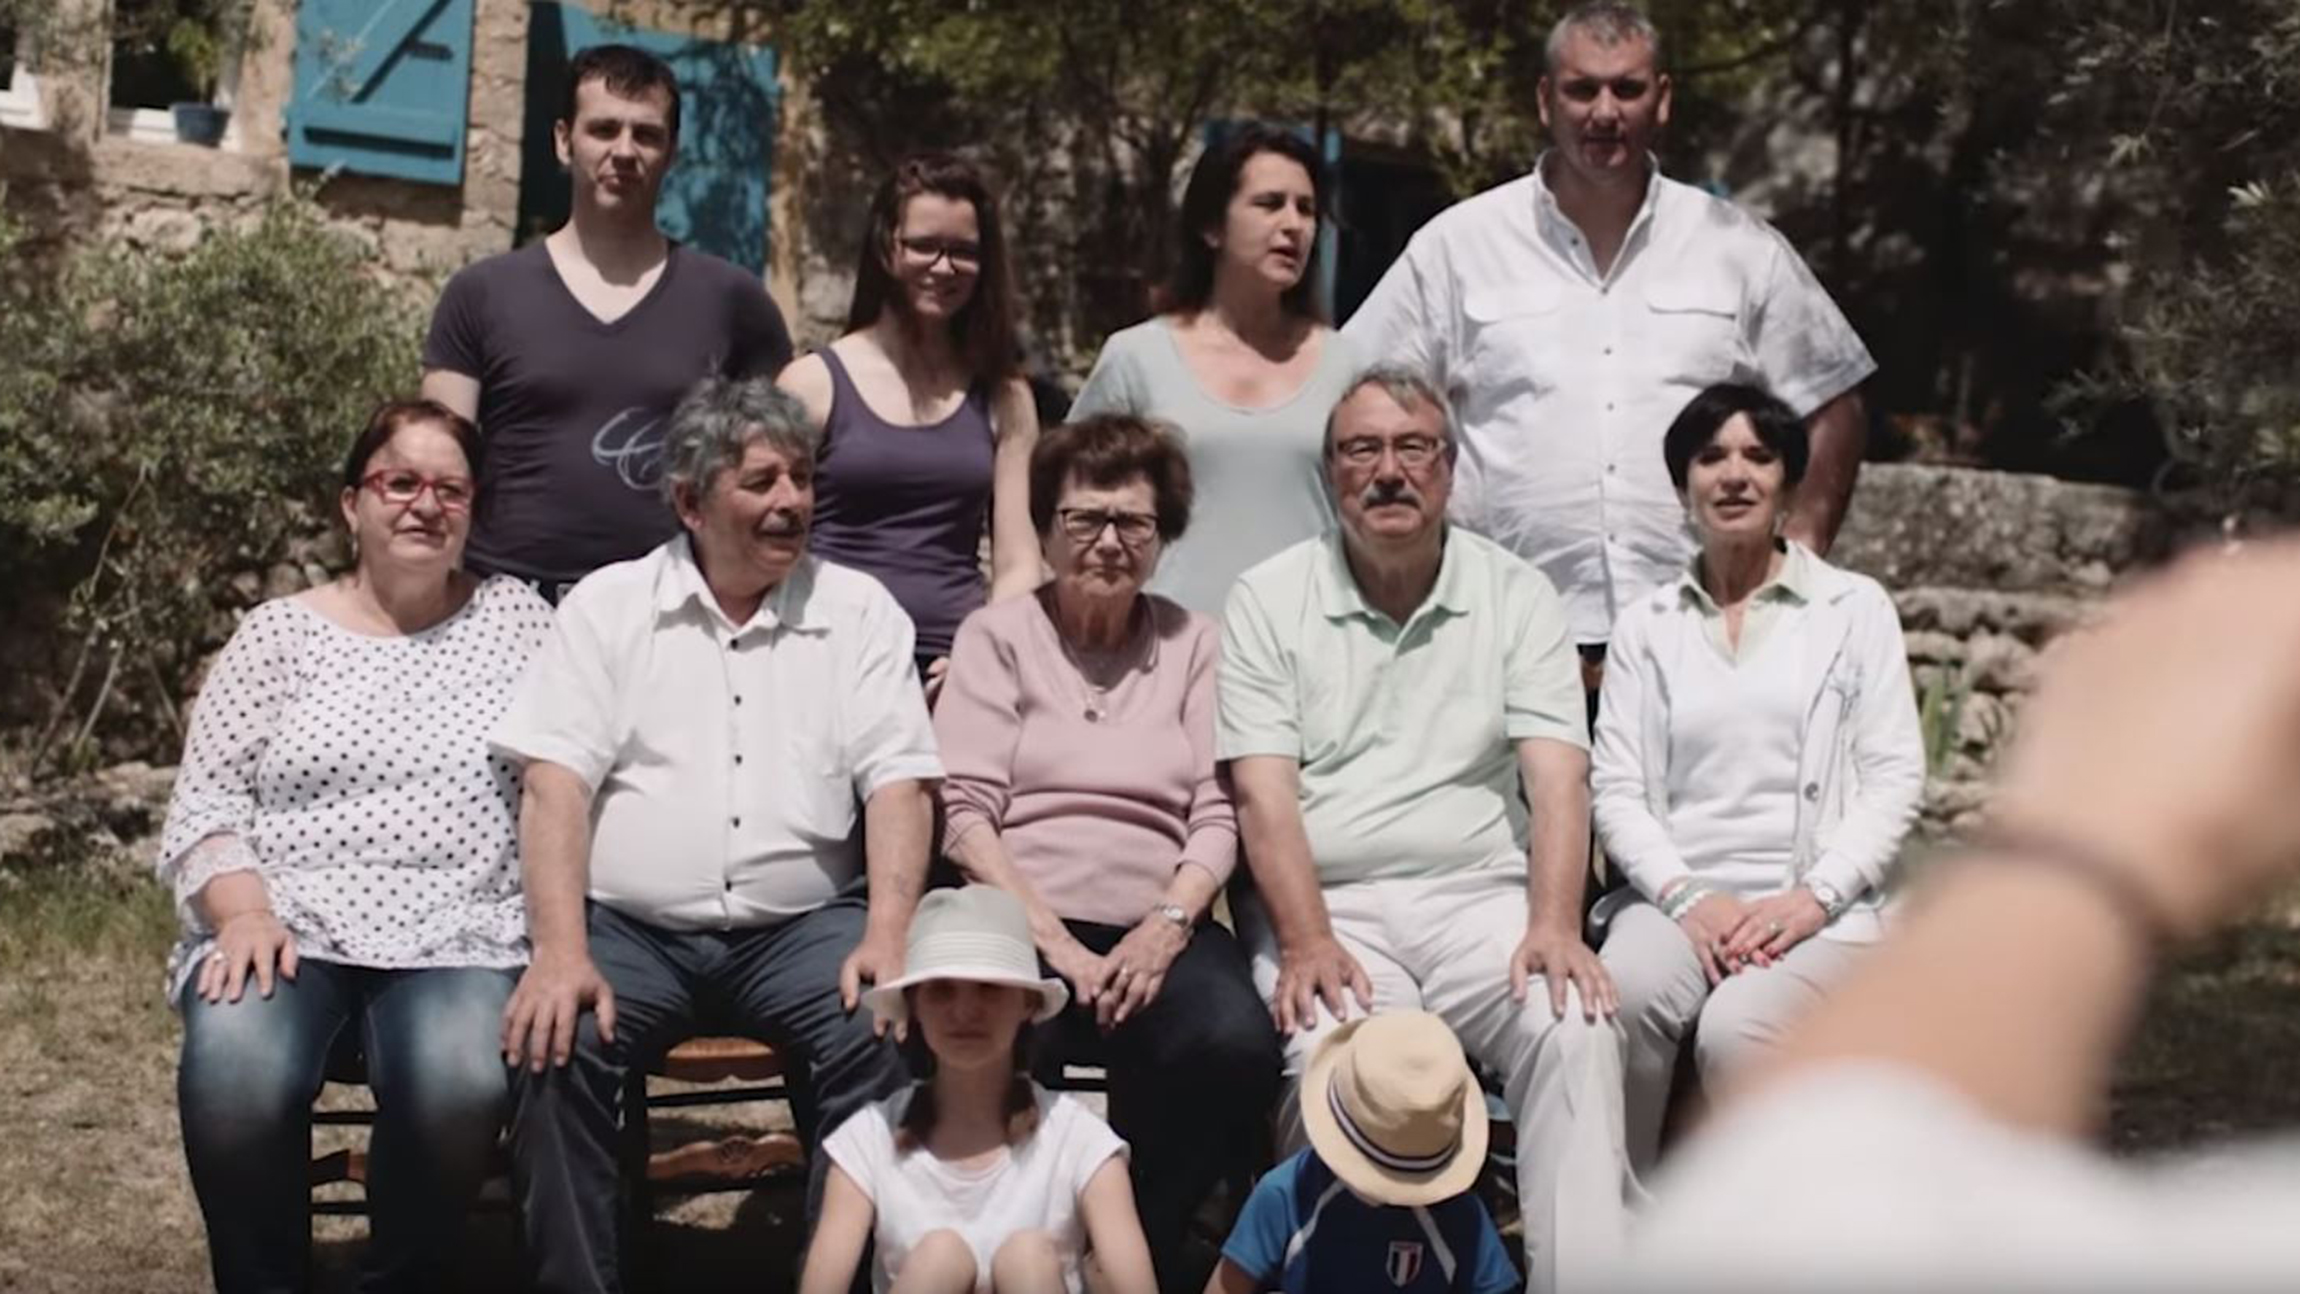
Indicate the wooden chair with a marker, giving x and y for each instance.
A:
(731, 1163)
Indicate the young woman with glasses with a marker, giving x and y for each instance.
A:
(340, 847)
(927, 427)
(1240, 361)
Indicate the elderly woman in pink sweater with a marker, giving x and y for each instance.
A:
(1077, 728)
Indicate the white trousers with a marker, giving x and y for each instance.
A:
(1665, 995)
(1442, 944)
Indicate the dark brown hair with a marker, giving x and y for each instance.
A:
(919, 1114)
(391, 417)
(1777, 426)
(629, 72)
(1206, 206)
(983, 331)
(1106, 451)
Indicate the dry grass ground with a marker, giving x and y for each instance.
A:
(93, 1193)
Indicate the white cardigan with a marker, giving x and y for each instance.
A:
(1860, 764)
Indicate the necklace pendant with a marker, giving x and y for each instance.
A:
(1093, 713)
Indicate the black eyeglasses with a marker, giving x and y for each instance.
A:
(1084, 525)
(1414, 452)
(963, 255)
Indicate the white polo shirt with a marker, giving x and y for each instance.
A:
(1563, 380)
(726, 761)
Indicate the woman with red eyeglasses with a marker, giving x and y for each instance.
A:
(927, 425)
(340, 846)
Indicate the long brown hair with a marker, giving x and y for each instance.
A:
(919, 1116)
(983, 330)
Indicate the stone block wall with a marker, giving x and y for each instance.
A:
(77, 177)
(1987, 568)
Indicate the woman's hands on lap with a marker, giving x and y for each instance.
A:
(1084, 968)
(1710, 925)
(1771, 926)
(249, 946)
(1137, 968)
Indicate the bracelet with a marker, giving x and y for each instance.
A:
(2104, 871)
(1686, 897)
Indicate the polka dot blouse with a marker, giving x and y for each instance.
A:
(351, 772)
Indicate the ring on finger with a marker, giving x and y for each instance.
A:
(1776, 928)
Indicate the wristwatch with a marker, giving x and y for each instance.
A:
(1833, 903)
(1177, 914)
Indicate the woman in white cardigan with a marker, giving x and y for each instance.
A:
(1757, 763)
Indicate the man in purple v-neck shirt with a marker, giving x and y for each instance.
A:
(571, 351)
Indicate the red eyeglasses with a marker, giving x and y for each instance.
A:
(401, 488)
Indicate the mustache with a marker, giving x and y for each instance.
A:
(782, 523)
(1381, 493)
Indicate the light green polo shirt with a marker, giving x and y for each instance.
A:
(1405, 733)
(1791, 586)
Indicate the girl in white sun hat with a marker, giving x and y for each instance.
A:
(975, 1179)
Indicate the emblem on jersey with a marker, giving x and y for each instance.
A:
(1405, 1262)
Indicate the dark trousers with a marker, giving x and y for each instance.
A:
(778, 984)
(244, 1088)
(1192, 1078)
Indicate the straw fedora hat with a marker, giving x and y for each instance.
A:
(1390, 1105)
(975, 932)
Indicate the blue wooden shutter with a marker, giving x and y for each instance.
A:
(382, 87)
(715, 197)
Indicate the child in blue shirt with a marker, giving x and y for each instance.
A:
(1380, 1200)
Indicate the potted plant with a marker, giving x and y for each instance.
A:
(194, 43)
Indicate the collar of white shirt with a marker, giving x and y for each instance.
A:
(1793, 582)
(1564, 237)
(790, 605)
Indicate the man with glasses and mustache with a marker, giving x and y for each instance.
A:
(1570, 313)
(1407, 747)
(695, 741)
(570, 351)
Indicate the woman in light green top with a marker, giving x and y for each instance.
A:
(1240, 362)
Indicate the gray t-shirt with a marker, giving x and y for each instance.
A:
(573, 409)
(1259, 473)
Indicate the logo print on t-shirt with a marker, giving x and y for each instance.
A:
(1405, 1262)
(630, 444)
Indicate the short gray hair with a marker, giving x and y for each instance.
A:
(1608, 22)
(1406, 386)
(719, 418)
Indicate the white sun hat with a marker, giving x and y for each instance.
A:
(975, 932)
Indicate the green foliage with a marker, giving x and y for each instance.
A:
(168, 420)
(2194, 111)
(1940, 716)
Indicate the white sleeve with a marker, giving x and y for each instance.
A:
(1409, 318)
(888, 737)
(1888, 748)
(1088, 1143)
(566, 706)
(212, 806)
(1871, 1176)
(1807, 350)
(864, 1147)
(1619, 797)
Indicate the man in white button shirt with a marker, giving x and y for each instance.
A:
(1570, 313)
(695, 741)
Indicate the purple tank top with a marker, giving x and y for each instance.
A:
(906, 505)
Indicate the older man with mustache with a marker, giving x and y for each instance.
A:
(696, 741)
(1403, 721)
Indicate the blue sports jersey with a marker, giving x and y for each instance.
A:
(1303, 1231)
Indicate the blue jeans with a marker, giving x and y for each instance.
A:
(244, 1091)
(777, 983)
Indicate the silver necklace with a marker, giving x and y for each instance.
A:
(1096, 696)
